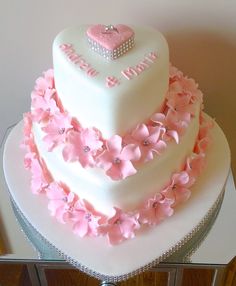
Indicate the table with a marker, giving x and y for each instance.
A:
(215, 252)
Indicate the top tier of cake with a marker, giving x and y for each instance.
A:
(113, 95)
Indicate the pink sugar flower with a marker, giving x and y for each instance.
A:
(189, 86)
(116, 160)
(180, 103)
(194, 165)
(204, 138)
(45, 82)
(29, 156)
(60, 202)
(183, 85)
(149, 140)
(120, 227)
(28, 137)
(43, 106)
(202, 145)
(56, 130)
(39, 179)
(27, 124)
(178, 121)
(30, 145)
(82, 146)
(156, 209)
(166, 122)
(205, 126)
(174, 88)
(178, 190)
(86, 220)
(175, 74)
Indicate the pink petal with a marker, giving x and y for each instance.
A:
(128, 226)
(116, 215)
(158, 118)
(70, 197)
(166, 210)
(182, 195)
(62, 215)
(130, 152)
(114, 172)
(105, 160)
(155, 134)
(169, 194)
(54, 205)
(181, 178)
(86, 159)
(160, 146)
(148, 155)
(90, 138)
(173, 134)
(195, 164)
(77, 215)
(140, 132)
(49, 75)
(114, 144)
(115, 235)
(81, 227)
(127, 169)
(202, 145)
(41, 84)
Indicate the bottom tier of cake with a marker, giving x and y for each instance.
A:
(151, 245)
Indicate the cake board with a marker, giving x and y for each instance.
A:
(116, 263)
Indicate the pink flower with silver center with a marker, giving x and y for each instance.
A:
(178, 190)
(56, 130)
(116, 159)
(39, 180)
(43, 83)
(43, 106)
(83, 146)
(156, 209)
(86, 220)
(149, 140)
(166, 122)
(60, 202)
(120, 226)
(195, 164)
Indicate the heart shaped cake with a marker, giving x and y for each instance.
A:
(114, 144)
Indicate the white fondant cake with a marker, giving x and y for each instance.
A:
(115, 137)
(81, 82)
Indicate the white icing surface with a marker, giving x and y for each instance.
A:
(104, 193)
(116, 109)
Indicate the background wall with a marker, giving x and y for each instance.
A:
(201, 36)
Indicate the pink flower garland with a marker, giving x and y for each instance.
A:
(86, 221)
(118, 156)
(116, 159)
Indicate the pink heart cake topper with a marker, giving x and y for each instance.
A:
(110, 41)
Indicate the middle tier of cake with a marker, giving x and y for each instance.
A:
(104, 193)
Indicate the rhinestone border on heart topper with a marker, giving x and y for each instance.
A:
(111, 54)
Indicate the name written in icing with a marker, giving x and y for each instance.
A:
(78, 60)
(134, 71)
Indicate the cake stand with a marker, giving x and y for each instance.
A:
(176, 237)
